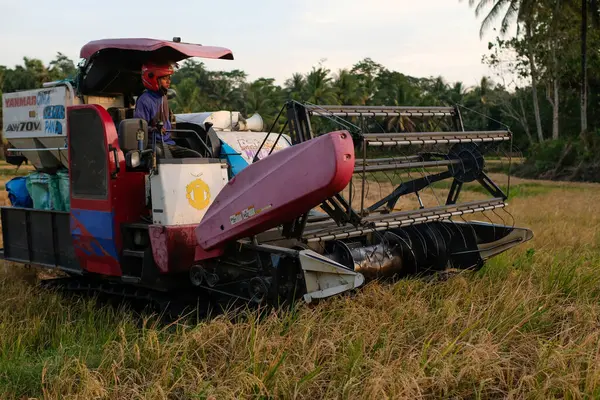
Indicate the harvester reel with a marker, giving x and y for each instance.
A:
(398, 229)
(471, 163)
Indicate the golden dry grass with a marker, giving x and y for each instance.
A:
(525, 326)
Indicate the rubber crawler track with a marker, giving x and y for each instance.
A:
(170, 305)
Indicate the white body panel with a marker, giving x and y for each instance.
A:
(248, 143)
(36, 113)
(35, 121)
(182, 192)
(54, 148)
(221, 120)
(325, 277)
(224, 120)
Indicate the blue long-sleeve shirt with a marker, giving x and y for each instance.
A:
(147, 107)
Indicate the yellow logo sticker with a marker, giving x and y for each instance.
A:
(198, 194)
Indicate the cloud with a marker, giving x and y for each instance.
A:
(318, 18)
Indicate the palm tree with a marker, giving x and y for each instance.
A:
(437, 89)
(263, 97)
(347, 88)
(513, 13)
(318, 87)
(521, 12)
(224, 95)
(188, 97)
(456, 93)
(294, 86)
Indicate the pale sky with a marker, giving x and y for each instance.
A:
(268, 38)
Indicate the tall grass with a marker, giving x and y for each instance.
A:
(525, 326)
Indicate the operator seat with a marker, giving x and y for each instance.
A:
(127, 133)
(192, 135)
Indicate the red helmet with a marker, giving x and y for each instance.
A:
(151, 72)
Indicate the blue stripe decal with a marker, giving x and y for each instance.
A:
(98, 225)
(236, 161)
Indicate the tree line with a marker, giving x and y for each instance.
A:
(546, 49)
(544, 84)
(364, 83)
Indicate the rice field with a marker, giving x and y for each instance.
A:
(525, 326)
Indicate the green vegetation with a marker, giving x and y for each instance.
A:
(527, 189)
(545, 85)
(523, 326)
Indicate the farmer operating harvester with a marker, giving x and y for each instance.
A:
(123, 200)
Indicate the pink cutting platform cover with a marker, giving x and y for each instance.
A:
(278, 189)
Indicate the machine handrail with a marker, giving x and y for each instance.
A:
(198, 136)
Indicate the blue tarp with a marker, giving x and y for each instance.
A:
(18, 193)
(41, 191)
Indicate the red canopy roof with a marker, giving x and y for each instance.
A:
(179, 50)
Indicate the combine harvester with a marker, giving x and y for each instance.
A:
(265, 217)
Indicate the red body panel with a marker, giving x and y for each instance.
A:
(95, 224)
(202, 254)
(278, 189)
(173, 247)
(179, 50)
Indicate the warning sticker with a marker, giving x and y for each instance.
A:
(248, 212)
(235, 218)
(263, 209)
